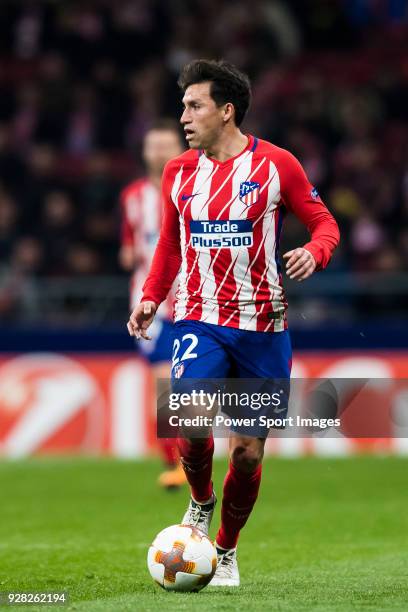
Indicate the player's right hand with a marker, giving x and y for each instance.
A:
(140, 319)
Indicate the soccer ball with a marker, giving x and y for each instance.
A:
(182, 558)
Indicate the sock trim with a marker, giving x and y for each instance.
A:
(209, 502)
(221, 548)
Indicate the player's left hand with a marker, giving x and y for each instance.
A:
(300, 264)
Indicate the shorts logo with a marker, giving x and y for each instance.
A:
(228, 234)
(249, 192)
(178, 370)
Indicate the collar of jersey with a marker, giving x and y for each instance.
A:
(250, 145)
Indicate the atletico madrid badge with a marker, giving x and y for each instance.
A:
(178, 370)
(249, 192)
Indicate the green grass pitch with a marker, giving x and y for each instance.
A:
(326, 535)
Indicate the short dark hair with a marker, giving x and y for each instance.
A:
(166, 124)
(228, 84)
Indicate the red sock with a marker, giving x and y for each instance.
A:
(239, 497)
(196, 457)
(169, 451)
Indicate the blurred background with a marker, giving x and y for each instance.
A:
(80, 83)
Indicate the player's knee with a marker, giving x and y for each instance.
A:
(246, 458)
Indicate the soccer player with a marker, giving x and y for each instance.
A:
(141, 211)
(225, 200)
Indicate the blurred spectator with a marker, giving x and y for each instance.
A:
(98, 189)
(82, 260)
(82, 122)
(12, 167)
(26, 117)
(81, 82)
(28, 256)
(8, 224)
(39, 180)
(18, 291)
(58, 228)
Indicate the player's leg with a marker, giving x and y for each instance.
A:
(173, 476)
(157, 354)
(198, 357)
(241, 487)
(240, 492)
(197, 459)
(267, 358)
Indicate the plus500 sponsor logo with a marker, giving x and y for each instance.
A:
(221, 234)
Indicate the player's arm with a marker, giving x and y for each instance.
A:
(164, 269)
(300, 197)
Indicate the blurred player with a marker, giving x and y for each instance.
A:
(224, 204)
(141, 209)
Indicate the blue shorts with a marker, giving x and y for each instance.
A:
(159, 347)
(206, 351)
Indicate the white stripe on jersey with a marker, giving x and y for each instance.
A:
(269, 230)
(199, 210)
(210, 308)
(235, 276)
(274, 196)
(241, 161)
(181, 295)
(235, 165)
(176, 186)
(268, 240)
(240, 209)
(242, 269)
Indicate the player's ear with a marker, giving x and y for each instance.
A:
(228, 111)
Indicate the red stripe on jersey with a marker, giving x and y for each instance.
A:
(221, 265)
(229, 271)
(194, 304)
(263, 226)
(196, 184)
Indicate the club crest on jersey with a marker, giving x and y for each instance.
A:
(178, 370)
(249, 192)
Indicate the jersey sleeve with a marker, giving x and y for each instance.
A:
(167, 256)
(300, 197)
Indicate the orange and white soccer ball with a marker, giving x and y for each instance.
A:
(182, 558)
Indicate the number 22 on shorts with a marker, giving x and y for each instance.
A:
(188, 350)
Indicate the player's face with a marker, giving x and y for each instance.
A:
(202, 119)
(160, 146)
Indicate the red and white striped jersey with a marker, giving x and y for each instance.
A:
(141, 212)
(222, 223)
